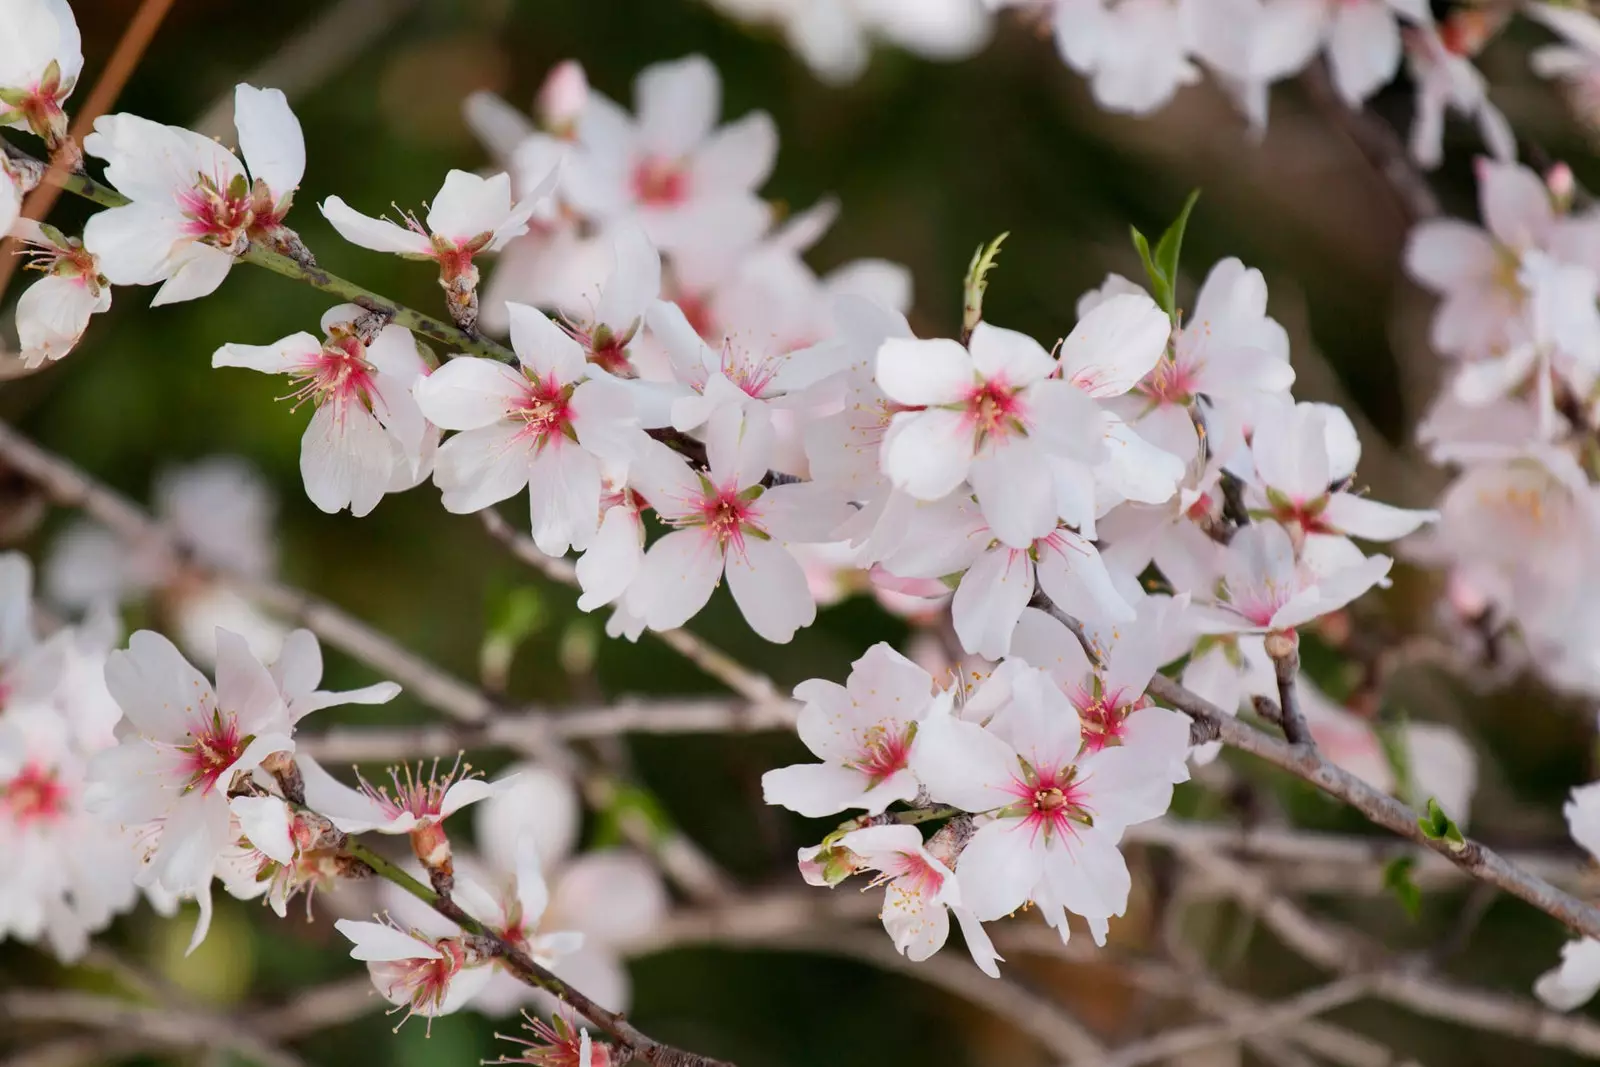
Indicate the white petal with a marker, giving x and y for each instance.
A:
(1008, 356)
(990, 599)
(920, 373)
(677, 578)
(265, 822)
(677, 104)
(771, 590)
(269, 138)
(928, 453)
(346, 459)
(1115, 345)
(199, 269)
(543, 347)
(1575, 981)
(380, 235)
(482, 467)
(469, 206)
(1358, 516)
(999, 869)
(376, 941)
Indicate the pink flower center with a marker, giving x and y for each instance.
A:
(418, 796)
(212, 749)
(994, 408)
(218, 214)
(1259, 602)
(1051, 801)
(425, 982)
(35, 795)
(660, 182)
(726, 516)
(915, 875)
(884, 751)
(751, 373)
(546, 411)
(1173, 381)
(1105, 717)
(339, 372)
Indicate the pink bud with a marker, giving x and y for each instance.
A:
(562, 98)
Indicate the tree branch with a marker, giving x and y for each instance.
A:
(1473, 857)
(632, 1042)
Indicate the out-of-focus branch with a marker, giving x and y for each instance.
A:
(164, 1026)
(753, 686)
(1378, 143)
(317, 51)
(1401, 982)
(1473, 857)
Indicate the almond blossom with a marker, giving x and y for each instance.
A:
(546, 426)
(1056, 809)
(1574, 982)
(920, 893)
(1135, 53)
(41, 58)
(469, 216)
(670, 170)
(54, 312)
(995, 413)
(368, 437)
(1305, 455)
(834, 37)
(195, 206)
(727, 523)
(1264, 587)
(185, 746)
(863, 732)
(1447, 81)
(426, 976)
(1362, 38)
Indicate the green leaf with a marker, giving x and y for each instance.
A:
(1437, 826)
(1162, 265)
(977, 283)
(1397, 879)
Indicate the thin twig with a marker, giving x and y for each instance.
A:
(1284, 651)
(749, 684)
(1474, 857)
(633, 1042)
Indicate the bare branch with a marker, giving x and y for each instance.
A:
(1474, 857)
(166, 1026)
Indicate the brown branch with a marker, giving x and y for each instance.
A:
(1473, 857)
(1378, 144)
(1284, 651)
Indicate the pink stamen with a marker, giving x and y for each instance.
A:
(339, 373)
(1052, 801)
(212, 749)
(546, 411)
(884, 751)
(995, 409)
(422, 798)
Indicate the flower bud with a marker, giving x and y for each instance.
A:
(562, 98)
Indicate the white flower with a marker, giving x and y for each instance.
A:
(919, 894)
(545, 426)
(1136, 53)
(470, 215)
(1265, 588)
(862, 731)
(1305, 455)
(992, 413)
(1057, 810)
(194, 205)
(834, 37)
(41, 57)
(426, 976)
(186, 743)
(415, 802)
(368, 437)
(670, 170)
(1446, 80)
(727, 523)
(298, 672)
(67, 872)
(54, 312)
(1574, 982)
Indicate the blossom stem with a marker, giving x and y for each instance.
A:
(632, 1042)
(453, 338)
(921, 815)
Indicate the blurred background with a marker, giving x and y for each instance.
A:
(928, 160)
